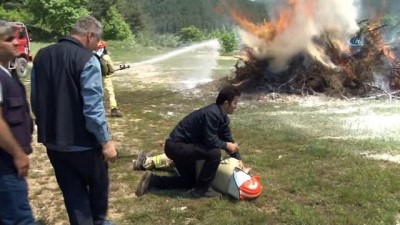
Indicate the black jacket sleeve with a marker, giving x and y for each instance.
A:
(225, 134)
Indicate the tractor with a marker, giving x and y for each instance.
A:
(20, 64)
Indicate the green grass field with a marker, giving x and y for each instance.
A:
(307, 151)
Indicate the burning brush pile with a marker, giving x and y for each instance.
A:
(317, 46)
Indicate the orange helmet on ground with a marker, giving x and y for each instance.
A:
(250, 189)
(101, 44)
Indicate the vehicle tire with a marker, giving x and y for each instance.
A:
(21, 67)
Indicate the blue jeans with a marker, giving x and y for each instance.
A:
(14, 203)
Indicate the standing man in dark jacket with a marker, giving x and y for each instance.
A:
(67, 100)
(201, 135)
(15, 136)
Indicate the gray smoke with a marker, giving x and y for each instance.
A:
(337, 18)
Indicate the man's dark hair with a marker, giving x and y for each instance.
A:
(228, 93)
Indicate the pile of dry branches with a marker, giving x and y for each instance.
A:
(356, 73)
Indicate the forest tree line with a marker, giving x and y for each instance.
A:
(173, 21)
(149, 22)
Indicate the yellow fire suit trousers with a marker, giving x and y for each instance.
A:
(108, 85)
(158, 162)
(109, 90)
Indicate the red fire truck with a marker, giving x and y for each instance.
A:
(20, 65)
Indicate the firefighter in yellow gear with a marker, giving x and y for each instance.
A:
(107, 69)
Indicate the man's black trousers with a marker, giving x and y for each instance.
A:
(185, 156)
(83, 179)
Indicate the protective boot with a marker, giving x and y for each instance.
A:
(139, 162)
(144, 184)
(116, 113)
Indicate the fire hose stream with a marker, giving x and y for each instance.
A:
(214, 44)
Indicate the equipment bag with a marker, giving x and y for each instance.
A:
(231, 180)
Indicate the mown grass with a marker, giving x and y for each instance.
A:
(307, 179)
(306, 151)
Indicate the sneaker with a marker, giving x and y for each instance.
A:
(116, 113)
(138, 163)
(144, 184)
(210, 193)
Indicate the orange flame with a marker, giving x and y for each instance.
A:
(377, 37)
(266, 31)
(269, 30)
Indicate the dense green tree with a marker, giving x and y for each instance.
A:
(9, 1)
(99, 8)
(144, 17)
(254, 11)
(227, 39)
(13, 10)
(115, 28)
(194, 34)
(12, 4)
(169, 16)
(15, 15)
(130, 10)
(57, 15)
(133, 14)
(190, 34)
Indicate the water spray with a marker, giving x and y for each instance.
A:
(213, 43)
